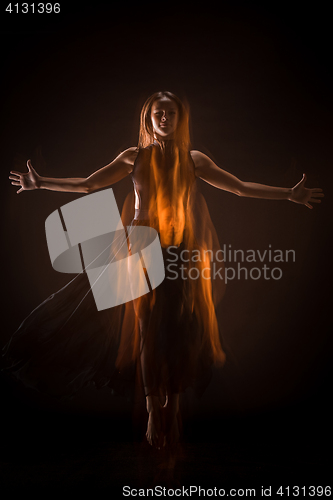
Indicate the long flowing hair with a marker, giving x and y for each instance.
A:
(174, 202)
(181, 137)
(173, 156)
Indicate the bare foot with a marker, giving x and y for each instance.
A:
(154, 434)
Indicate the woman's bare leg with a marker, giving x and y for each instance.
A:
(154, 434)
(162, 427)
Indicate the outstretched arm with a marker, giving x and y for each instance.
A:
(119, 168)
(207, 170)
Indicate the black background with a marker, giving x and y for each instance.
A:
(259, 87)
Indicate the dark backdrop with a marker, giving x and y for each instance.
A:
(259, 88)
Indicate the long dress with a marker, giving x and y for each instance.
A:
(66, 344)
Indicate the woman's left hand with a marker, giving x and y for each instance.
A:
(304, 196)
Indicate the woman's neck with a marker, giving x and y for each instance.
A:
(165, 146)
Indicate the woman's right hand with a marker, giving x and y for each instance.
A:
(27, 181)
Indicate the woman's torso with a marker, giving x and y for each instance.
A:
(162, 183)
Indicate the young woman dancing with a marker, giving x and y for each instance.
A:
(171, 333)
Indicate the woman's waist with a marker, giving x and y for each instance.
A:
(168, 215)
(142, 214)
(167, 236)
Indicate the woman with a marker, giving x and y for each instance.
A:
(172, 331)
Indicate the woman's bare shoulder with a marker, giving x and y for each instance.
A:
(129, 155)
(198, 154)
(199, 158)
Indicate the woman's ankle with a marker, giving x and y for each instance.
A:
(152, 403)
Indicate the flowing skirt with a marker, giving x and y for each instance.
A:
(66, 344)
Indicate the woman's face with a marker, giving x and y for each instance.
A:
(164, 116)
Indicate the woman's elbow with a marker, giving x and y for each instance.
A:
(88, 186)
(239, 189)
